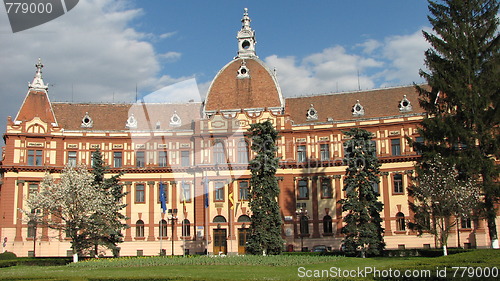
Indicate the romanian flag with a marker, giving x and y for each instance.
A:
(183, 196)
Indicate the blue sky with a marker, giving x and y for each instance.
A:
(101, 49)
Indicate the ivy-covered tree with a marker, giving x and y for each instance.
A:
(462, 101)
(363, 225)
(265, 230)
(441, 199)
(106, 227)
(69, 205)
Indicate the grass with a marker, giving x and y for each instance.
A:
(236, 268)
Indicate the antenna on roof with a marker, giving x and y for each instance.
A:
(72, 92)
(359, 85)
(135, 92)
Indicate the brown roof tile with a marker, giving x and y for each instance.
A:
(113, 117)
(229, 92)
(377, 104)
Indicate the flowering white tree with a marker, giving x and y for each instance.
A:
(441, 198)
(69, 204)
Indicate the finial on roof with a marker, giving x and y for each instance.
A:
(246, 38)
(37, 83)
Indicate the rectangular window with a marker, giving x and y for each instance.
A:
(242, 152)
(219, 191)
(303, 190)
(219, 153)
(326, 188)
(243, 195)
(185, 161)
(140, 159)
(162, 158)
(324, 152)
(396, 147)
(375, 187)
(186, 192)
(301, 153)
(139, 193)
(465, 223)
(72, 158)
(117, 159)
(374, 147)
(35, 157)
(419, 141)
(32, 188)
(398, 183)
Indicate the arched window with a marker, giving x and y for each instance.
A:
(219, 153)
(400, 222)
(242, 152)
(139, 228)
(186, 228)
(304, 225)
(163, 228)
(327, 224)
(220, 219)
(31, 229)
(244, 218)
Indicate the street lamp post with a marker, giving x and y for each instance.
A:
(301, 213)
(172, 217)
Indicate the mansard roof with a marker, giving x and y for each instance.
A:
(378, 103)
(113, 117)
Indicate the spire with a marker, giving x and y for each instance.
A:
(246, 38)
(37, 83)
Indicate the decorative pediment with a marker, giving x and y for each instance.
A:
(312, 114)
(131, 122)
(358, 110)
(87, 121)
(175, 120)
(405, 105)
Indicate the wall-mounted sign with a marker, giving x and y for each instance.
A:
(117, 146)
(36, 144)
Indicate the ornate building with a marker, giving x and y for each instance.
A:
(200, 153)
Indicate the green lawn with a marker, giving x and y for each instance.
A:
(242, 268)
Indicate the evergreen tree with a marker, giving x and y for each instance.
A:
(106, 229)
(265, 231)
(363, 229)
(462, 101)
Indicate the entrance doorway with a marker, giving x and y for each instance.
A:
(220, 241)
(242, 240)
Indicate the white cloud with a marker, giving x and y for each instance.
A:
(167, 35)
(390, 62)
(90, 54)
(331, 70)
(170, 56)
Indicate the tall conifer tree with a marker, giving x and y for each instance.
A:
(462, 102)
(106, 229)
(363, 230)
(265, 231)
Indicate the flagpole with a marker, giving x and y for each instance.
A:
(161, 220)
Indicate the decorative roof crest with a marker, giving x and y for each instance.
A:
(37, 83)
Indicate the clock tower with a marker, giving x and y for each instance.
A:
(246, 38)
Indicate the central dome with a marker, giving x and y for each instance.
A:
(243, 83)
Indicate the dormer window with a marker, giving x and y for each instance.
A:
(312, 114)
(405, 105)
(131, 122)
(175, 120)
(87, 122)
(158, 125)
(358, 110)
(243, 72)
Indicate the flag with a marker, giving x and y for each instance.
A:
(183, 196)
(205, 186)
(163, 198)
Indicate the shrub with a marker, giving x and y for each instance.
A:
(7, 256)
